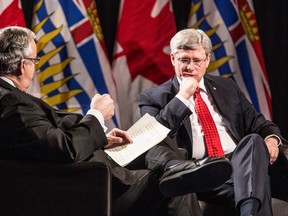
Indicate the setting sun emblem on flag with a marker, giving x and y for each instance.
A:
(237, 52)
(74, 65)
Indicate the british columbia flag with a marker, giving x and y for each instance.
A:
(237, 53)
(74, 64)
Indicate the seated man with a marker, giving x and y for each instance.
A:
(209, 116)
(31, 129)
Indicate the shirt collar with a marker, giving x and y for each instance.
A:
(202, 86)
(8, 81)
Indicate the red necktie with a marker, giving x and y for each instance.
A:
(211, 136)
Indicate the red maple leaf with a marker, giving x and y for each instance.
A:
(144, 38)
(12, 15)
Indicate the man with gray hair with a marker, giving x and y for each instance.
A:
(30, 129)
(210, 116)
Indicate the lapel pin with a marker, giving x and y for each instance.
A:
(214, 88)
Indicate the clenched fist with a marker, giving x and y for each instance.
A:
(188, 87)
(104, 104)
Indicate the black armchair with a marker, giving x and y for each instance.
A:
(44, 189)
(35, 188)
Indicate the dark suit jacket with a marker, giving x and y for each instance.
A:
(239, 114)
(31, 129)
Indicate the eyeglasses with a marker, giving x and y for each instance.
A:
(196, 62)
(34, 60)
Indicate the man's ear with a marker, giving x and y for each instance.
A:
(172, 58)
(21, 67)
(208, 60)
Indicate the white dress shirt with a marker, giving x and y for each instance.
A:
(199, 150)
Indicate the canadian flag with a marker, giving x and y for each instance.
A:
(11, 13)
(141, 52)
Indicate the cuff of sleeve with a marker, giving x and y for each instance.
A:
(185, 101)
(275, 136)
(99, 116)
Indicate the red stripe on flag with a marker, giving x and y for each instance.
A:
(87, 3)
(268, 99)
(237, 33)
(82, 31)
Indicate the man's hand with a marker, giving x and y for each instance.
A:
(188, 87)
(117, 137)
(272, 145)
(104, 104)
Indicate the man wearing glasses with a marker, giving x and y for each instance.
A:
(243, 135)
(30, 129)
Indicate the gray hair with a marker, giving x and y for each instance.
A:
(15, 44)
(190, 39)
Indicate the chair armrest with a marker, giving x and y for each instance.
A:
(279, 175)
(40, 188)
(284, 149)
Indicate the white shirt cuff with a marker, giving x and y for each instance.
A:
(185, 101)
(99, 116)
(275, 136)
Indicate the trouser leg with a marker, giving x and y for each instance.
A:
(141, 199)
(250, 162)
(159, 155)
(156, 158)
(134, 192)
(145, 199)
(222, 196)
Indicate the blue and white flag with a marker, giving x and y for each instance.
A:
(74, 64)
(237, 53)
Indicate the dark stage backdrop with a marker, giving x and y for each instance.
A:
(272, 18)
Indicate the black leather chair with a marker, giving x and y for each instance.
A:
(36, 188)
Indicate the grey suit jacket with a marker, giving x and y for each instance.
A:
(239, 114)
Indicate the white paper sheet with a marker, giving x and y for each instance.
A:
(145, 133)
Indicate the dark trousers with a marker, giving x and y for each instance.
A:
(135, 188)
(250, 161)
(134, 192)
(156, 159)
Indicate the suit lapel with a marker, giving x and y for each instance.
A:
(216, 92)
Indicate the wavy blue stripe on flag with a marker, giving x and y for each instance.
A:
(246, 71)
(73, 60)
